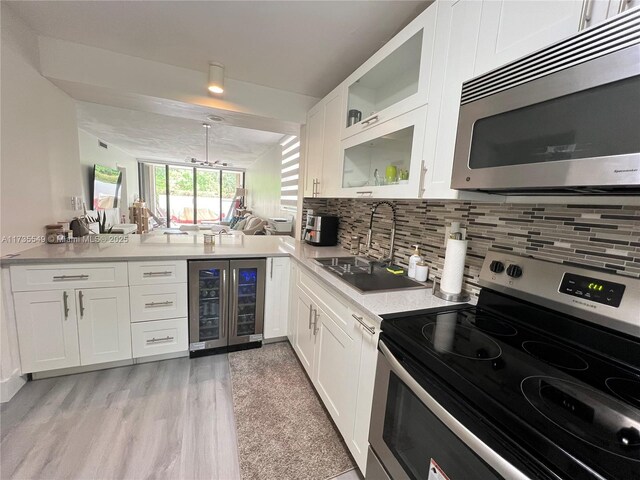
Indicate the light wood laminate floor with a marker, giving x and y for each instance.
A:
(171, 419)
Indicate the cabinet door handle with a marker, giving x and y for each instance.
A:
(65, 301)
(315, 322)
(360, 320)
(587, 11)
(81, 300)
(271, 273)
(624, 4)
(368, 121)
(63, 278)
(310, 314)
(166, 273)
(163, 339)
(159, 304)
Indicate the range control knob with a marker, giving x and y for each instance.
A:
(514, 271)
(496, 266)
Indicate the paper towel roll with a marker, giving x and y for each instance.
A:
(454, 257)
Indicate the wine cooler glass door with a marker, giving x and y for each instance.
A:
(208, 305)
(247, 297)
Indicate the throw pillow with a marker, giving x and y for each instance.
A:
(240, 225)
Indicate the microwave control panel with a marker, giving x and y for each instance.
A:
(593, 289)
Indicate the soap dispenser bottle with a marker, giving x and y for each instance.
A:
(413, 261)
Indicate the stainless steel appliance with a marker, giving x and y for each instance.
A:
(561, 120)
(321, 230)
(539, 380)
(226, 304)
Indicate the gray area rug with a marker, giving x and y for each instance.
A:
(283, 430)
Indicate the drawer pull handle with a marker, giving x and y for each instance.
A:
(159, 304)
(360, 320)
(163, 339)
(166, 273)
(63, 278)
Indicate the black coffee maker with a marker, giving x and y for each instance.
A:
(321, 230)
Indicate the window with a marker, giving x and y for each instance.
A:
(179, 195)
(289, 172)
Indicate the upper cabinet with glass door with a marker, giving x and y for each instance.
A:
(395, 80)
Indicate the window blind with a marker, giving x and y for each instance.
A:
(289, 173)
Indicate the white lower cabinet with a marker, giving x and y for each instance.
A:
(304, 339)
(335, 368)
(276, 304)
(159, 337)
(339, 355)
(68, 328)
(47, 330)
(104, 331)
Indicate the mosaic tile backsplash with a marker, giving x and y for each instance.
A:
(605, 237)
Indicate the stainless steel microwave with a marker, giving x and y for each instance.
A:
(563, 120)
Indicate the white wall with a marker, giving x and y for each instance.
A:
(39, 165)
(262, 181)
(39, 161)
(114, 157)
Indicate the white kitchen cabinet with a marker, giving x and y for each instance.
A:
(104, 330)
(512, 29)
(597, 11)
(335, 368)
(305, 339)
(158, 302)
(159, 337)
(66, 276)
(397, 143)
(395, 80)
(292, 311)
(337, 345)
(313, 157)
(157, 272)
(367, 332)
(47, 330)
(276, 305)
(322, 157)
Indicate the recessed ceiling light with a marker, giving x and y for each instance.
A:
(214, 118)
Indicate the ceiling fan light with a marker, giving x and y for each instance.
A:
(216, 78)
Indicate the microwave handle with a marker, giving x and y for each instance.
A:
(498, 463)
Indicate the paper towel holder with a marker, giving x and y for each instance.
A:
(449, 297)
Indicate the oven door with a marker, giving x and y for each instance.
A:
(412, 436)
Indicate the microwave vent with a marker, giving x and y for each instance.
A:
(616, 34)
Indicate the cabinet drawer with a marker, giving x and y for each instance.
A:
(158, 337)
(27, 278)
(157, 302)
(157, 273)
(326, 300)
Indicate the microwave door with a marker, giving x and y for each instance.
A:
(208, 305)
(246, 313)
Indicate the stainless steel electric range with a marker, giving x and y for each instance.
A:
(540, 380)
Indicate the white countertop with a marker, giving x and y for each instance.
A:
(192, 247)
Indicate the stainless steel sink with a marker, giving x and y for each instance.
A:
(366, 275)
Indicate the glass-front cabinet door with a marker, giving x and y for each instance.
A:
(247, 301)
(208, 300)
(394, 80)
(386, 161)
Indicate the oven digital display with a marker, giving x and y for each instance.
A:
(593, 289)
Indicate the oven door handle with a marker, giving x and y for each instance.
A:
(481, 449)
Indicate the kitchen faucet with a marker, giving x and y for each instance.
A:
(388, 260)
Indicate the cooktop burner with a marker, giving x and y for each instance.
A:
(556, 356)
(626, 389)
(447, 336)
(490, 324)
(588, 414)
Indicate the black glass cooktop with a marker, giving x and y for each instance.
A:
(567, 390)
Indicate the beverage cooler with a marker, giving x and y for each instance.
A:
(226, 304)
